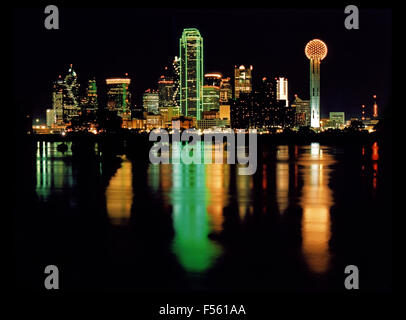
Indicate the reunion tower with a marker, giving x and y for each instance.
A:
(316, 50)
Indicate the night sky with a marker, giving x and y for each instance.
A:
(109, 42)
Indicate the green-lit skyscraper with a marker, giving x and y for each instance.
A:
(191, 73)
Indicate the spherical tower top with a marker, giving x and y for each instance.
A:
(316, 49)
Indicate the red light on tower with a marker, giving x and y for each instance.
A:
(375, 110)
(363, 112)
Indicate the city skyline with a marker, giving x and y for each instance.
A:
(338, 92)
(197, 152)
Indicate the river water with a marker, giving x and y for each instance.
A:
(118, 223)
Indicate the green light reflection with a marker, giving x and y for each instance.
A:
(190, 198)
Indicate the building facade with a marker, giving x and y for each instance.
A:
(150, 101)
(337, 120)
(226, 90)
(119, 96)
(65, 97)
(166, 89)
(302, 112)
(282, 90)
(191, 73)
(242, 80)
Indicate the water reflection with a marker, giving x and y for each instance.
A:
(217, 182)
(316, 201)
(282, 178)
(119, 194)
(375, 158)
(198, 193)
(190, 199)
(53, 171)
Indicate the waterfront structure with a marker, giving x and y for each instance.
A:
(191, 73)
(119, 96)
(150, 101)
(315, 50)
(242, 80)
(282, 90)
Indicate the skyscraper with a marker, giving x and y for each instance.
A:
(212, 79)
(57, 100)
(242, 80)
(226, 90)
(191, 73)
(50, 118)
(150, 101)
(176, 81)
(282, 90)
(211, 91)
(118, 96)
(65, 97)
(302, 112)
(166, 89)
(316, 50)
(91, 95)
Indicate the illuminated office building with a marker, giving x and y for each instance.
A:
(211, 97)
(167, 114)
(224, 112)
(166, 89)
(150, 101)
(176, 81)
(282, 89)
(211, 91)
(212, 79)
(71, 107)
(65, 97)
(226, 90)
(91, 95)
(119, 96)
(316, 50)
(242, 80)
(57, 100)
(191, 73)
(337, 119)
(50, 118)
(302, 112)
